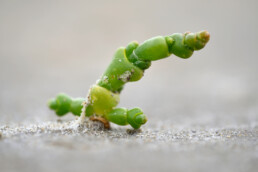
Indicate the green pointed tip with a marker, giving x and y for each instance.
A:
(136, 118)
(141, 119)
(52, 104)
(197, 41)
(204, 36)
(130, 47)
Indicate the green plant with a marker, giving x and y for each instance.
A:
(128, 65)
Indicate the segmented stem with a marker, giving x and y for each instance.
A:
(128, 65)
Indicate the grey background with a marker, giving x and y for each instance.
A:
(47, 47)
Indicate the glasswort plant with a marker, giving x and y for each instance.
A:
(127, 65)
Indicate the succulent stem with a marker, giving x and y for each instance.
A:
(127, 65)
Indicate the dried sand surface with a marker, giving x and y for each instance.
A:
(56, 146)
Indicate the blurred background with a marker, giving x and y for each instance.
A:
(47, 47)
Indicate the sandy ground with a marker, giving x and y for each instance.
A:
(202, 112)
(55, 146)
